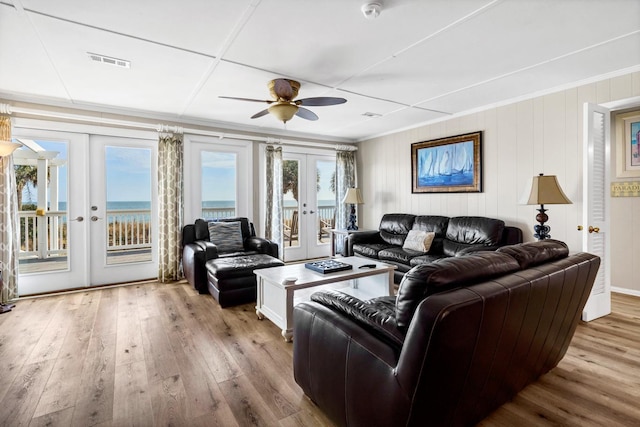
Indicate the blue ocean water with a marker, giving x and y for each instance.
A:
(139, 205)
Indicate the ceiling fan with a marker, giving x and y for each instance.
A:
(284, 107)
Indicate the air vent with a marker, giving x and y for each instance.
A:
(109, 60)
(372, 115)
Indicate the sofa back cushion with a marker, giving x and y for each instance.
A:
(448, 273)
(395, 227)
(463, 231)
(531, 254)
(437, 224)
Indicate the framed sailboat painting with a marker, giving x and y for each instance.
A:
(447, 165)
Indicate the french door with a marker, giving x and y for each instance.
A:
(88, 210)
(309, 205)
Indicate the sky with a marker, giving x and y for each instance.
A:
(128, 172)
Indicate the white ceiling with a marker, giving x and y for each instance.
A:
(419, 61)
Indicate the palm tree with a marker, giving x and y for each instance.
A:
(25, 175)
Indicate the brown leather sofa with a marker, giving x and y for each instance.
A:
(453, 237)
(462, 337)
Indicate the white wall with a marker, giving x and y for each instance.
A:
(520, 140)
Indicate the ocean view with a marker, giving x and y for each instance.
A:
(138, 205)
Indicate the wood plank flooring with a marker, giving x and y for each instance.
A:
(162, 355)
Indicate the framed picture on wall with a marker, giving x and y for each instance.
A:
(628, 145)
(447, 165)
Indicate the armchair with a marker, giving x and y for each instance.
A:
(197, 249)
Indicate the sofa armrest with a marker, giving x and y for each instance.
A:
(372, 236)
(335, 361)
(365, 313)
(261, 245)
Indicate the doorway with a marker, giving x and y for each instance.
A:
(309, 205)
(88, 210)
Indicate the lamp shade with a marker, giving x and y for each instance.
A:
(353, 196)
(283, 111)
(7, 147)
(545, 190)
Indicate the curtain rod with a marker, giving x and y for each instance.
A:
(8, 109)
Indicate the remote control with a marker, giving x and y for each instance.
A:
(367, 266)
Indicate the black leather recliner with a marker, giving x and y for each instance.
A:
(197, 249)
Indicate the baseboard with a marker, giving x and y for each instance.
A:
(625, 291)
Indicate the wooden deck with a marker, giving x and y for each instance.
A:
(28, 266)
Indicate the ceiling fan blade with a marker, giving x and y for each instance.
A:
(306, 114)
(246, 99)
(282, 89)
(260, 114)
(320, 101)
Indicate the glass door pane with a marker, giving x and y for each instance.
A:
(218, 184)
(325, 198)
(291, 205)
(128, 212)
(41, 180)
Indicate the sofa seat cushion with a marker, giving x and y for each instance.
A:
(399, 255)
(424, 259)
(378, 315)
(445, 274)
(240, 266)
(369, 250)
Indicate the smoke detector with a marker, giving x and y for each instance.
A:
(371, 10)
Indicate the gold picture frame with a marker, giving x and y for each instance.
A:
(447, 165)
(627, 133)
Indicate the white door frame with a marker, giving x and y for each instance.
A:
(600, 304)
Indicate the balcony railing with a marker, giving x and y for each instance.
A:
(43, 237)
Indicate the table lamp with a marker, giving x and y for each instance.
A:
(545, 190)
(352, 197)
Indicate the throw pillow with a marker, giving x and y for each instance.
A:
(419, 241)
(227, 236)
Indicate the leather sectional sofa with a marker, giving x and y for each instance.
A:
(453, 237)
(462, 337)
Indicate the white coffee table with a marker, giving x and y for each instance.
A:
(277, 285)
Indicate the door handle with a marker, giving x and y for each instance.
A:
(312, 212)
(304, 212)
(591, 229)
(95, 218)
(79, 219)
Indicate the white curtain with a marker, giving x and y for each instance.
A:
(9, 241)
(170, 206)
(345, 179)
(274, 197)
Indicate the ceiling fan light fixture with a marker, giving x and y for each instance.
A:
(283, 111)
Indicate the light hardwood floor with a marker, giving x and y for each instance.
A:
(162, 355)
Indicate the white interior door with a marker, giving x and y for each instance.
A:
(123, 210)
(596, 183)
(309, 205)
